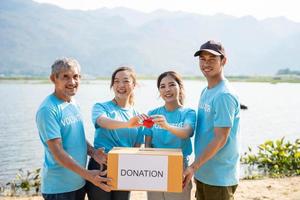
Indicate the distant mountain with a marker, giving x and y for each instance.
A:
(33, 35)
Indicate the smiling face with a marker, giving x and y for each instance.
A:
(66, 83)
(169, 90)
(211, 65)
(123, 85)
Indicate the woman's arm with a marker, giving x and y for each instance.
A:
(108, 123)
(182, 132)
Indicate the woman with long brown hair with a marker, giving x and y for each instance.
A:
(173, 128)
(117, 125)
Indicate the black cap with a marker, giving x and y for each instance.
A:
(213, 47)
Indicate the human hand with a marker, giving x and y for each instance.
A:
(136, 121)
(95, 177)
(187, 176)
(100, 156)
(161, 121)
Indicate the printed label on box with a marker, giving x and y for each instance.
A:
(140, 171)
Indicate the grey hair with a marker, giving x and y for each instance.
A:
(63, 64)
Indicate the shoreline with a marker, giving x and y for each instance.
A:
(260, 189)
(88, 79)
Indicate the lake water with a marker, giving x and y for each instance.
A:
(273, 112)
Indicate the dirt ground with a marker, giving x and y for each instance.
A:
(264, 189)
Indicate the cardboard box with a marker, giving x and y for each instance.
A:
(147, 169)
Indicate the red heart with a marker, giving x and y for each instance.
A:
(148, 122)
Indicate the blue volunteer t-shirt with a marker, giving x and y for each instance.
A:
(218, 107)
(162, 138)
(109, 138)
(59, 119)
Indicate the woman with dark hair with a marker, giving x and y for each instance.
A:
(117, 125)
(173, 128)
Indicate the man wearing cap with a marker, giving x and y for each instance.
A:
(216, 164)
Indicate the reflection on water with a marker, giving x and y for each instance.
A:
(272, 113)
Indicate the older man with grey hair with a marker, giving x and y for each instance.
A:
(61, 131)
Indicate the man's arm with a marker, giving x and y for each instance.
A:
(62, 157)
(220, 139)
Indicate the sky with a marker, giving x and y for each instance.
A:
(260, 9)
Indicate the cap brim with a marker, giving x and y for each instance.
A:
(207, 50)
(197, 53)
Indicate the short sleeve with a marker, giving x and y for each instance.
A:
(97, 111)
(225, 107)
(48, 124)
(190, 119)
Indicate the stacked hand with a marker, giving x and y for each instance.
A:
(96, 177)
(149, 121)
(136, 121)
